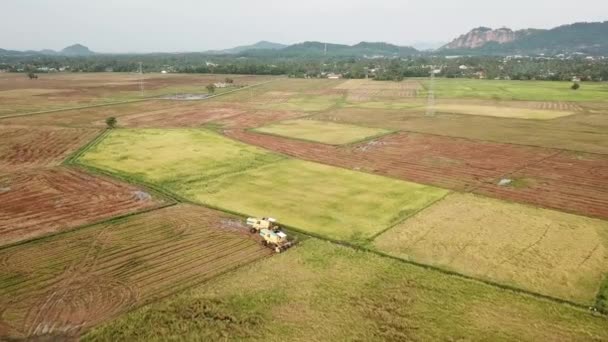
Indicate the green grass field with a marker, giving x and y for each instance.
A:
(519, 90)
(326, 200)
(545, 251)
(208, 168)
(322, 131)
(169, 156)
(322, 292)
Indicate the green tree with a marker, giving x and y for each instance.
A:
(211, 88)
(111, 122)
(575, 86)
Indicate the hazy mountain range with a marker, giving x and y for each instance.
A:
(589, 38)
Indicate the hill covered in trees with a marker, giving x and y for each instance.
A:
(587, 38)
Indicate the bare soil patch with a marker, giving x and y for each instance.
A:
(30, 147)
(40, 202)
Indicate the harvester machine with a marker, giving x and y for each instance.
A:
(271, 234)
(263, 223)
(276, 240)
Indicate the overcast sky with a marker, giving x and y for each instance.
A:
(197, 25)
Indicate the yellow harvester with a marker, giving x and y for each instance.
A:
(271, 234)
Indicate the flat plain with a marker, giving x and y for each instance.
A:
(421, 242)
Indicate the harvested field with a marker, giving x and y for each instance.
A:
(41, 202)
(545, 251)
(585, 132)
(306, 103)
(65, 90)
(321, 199)
(62, 285)
(369, 90)
(552, 105)
(191, 116)
(272, 97)
(457, 164)
(517, 90)
(334, 293)
(572, 182)
(502, 112)
(257, 118)
(31, 147)
(173, 156)
(321, 131)
(95, 117)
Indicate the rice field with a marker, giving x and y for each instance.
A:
(545, 251)
(324, 132)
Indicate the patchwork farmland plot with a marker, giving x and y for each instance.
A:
(79, 249)
(223, 173)
(56, 91)
(465, 165)
(257, 118)
(66, 283)
(545, 251)
(502, 112)
(574, 182)
(319, 131)
(30, 147)
(365, 298)
(514, 90)
(40, 202)
(321, 199)
(585, 131)
(183, 116)
(151, 155)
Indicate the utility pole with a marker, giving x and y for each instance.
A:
(141, 80)
(430, 105)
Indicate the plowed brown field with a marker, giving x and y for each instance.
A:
(180, 116)
(35, 203)
(30, 147)
(64, 284)
(575, 183)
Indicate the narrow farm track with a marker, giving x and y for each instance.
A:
(572, 182)
(76, 280)
(40, 202)
(31, 147)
